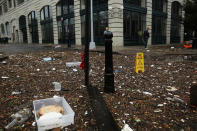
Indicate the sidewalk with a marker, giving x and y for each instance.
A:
(127, 50)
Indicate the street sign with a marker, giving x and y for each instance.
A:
(139, 64)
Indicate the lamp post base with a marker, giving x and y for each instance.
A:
(109, 83)
(92, 46)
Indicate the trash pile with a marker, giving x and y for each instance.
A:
(34, 76)
(156, 99)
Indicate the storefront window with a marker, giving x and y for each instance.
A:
(159, 18)
(160, 5)
(66, 22)
(23, 28)
(82, 4)
(134, 24)
(33, 26)
(59, 9)
(47, 24)
(100, 21)
(175, 22)
(158, 30)
(134, 21)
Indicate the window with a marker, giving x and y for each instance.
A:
(2, 29)
(42, 15)
(176, 9)
(46, 24)
(134, 24)
(140, 3)
(158, 30)
(33, 27)
(20, 1)
(1, 10)
(59, 9)
(134, 21)
(71, 6)
(175, 22)
(7, 28)
(29, 18)
(14, 3)
(159, 18)
(10, 3)
(66, 22)
(82, 4)
(50, 12)
(46, 12)
(5, 7)
(100, 8)
(160, 5)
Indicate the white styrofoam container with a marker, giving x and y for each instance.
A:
(70, 64)
(65, 120)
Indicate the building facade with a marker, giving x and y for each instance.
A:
(65, 21)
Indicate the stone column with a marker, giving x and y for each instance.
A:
(149, 20)
(55, 28)
(17, 31)
(12, 3)
(116, 26)
(39, 27)
(29, 39)
(77, 22)
(168, 23)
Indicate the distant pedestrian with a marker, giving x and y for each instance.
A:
(146, 36)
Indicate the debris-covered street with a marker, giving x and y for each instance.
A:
(154, 100)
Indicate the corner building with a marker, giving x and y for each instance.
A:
(67, 21)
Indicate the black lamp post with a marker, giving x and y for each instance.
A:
(109, 75)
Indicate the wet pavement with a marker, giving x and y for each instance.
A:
(127, 50)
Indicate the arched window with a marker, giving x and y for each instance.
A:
(159, 18)
(23, 28)
(7, 28)
(134, 21)
(100, 8)
(2, 29)
(33, 26)
(66, 21)
(46, 22)
(175, 22)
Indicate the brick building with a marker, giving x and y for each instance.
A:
(63, 21)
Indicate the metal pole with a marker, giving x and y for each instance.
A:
(109, 75)
(92, 43)
(62, 21)
(92, 33)
(87, 44)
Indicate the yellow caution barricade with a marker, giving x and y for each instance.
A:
(139, 64)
